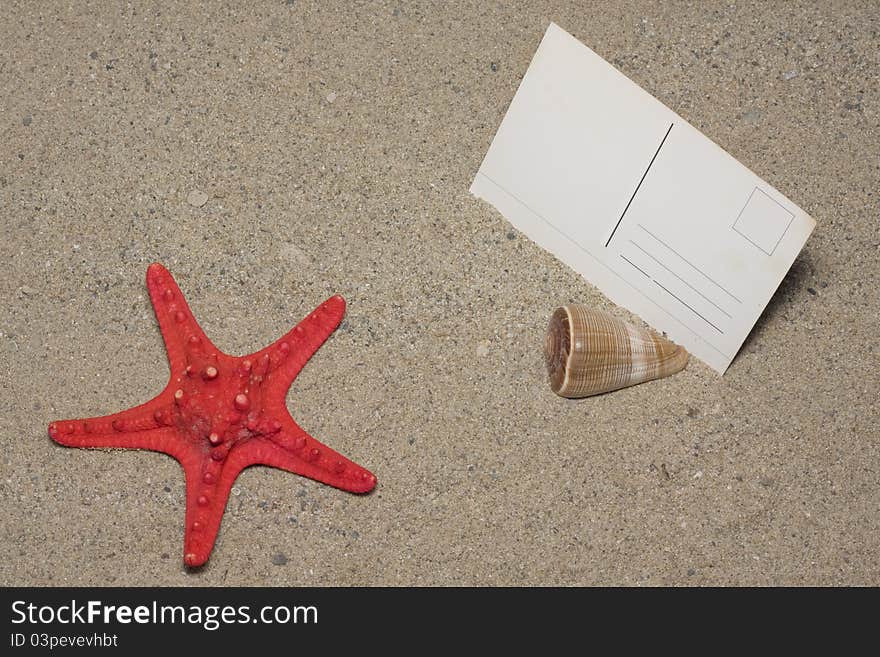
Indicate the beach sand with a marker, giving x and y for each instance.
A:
(334, 146)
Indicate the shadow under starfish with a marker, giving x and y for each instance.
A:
(220, 414)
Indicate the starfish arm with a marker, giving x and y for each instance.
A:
(176, 320)
(165, 440)
(207, 490)
(294, 450)
(147, 426)
(288, 355)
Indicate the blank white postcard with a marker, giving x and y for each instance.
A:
(643, 205)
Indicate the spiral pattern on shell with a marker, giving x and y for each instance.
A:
(589, 352)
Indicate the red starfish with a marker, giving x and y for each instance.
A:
(220, 414)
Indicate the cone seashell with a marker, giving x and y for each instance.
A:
(589, 352)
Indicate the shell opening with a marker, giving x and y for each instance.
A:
(557, 347)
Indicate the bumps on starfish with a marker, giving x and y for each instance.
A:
(221, 413)
(78, 433)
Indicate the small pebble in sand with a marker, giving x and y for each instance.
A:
(752, 117)
(197, 198)
(483, 348)
(26, 121)
(789, 75)
(493, 66)
(279, 559)
(331, 97)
